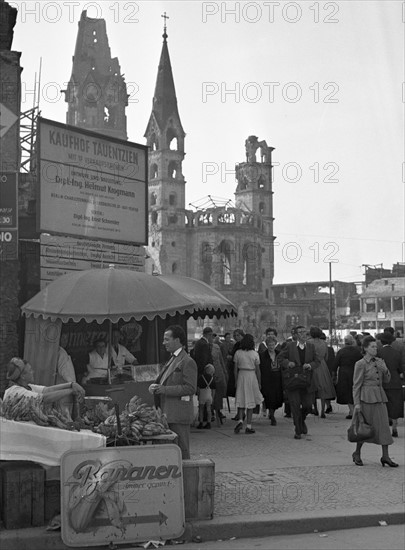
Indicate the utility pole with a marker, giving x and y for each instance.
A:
(330, 301)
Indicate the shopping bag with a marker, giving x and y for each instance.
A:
(359, 430)
(296, 378)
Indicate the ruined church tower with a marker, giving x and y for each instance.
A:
(96, 92)
(165, 137)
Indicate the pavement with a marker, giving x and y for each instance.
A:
(270, 484)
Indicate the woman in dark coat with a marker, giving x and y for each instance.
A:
(272, 389)
(393, 388)
(344, 363)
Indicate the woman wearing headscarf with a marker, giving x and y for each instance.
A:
(21, 377)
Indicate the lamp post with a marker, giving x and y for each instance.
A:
(330, 301)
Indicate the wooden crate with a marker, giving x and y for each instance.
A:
(52, 499)
(22, 494)
(199, 486)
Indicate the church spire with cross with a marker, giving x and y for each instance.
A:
(165, 138)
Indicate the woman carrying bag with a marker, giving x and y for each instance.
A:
(370, 398)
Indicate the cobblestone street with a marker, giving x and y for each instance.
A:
(269, 472)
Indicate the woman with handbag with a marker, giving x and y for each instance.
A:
(369, 397)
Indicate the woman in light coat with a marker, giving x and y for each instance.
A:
(369, 397)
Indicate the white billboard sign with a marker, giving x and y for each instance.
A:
(90, 185)
(122, 495)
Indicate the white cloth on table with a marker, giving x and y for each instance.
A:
(43, 444)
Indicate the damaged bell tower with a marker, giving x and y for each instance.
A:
(96, 93)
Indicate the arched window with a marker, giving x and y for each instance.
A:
(261, 182)
(225, 252)
(262, 208)
(153, 142)
(154, 217)
(172, 218)
(206, 261)
(153, 199)
(172, 170)
(172, 199)
(174, 267)
(171, 138)
(153, 172)
(250, 254)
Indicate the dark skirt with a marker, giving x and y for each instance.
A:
(344, 386)
(376, 415)
(395, 405)
(272, 390)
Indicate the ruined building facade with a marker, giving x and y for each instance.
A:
(228, 247)
(96, 93)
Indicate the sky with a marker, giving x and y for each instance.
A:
(321, 82)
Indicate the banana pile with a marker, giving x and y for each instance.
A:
(136, 421)
(26, 408)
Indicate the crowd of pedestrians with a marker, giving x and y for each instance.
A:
(298, 373)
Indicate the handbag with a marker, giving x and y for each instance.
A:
(296, 378)
(359, 430)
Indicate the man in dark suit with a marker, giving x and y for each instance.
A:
(393, 388)
(300, 353)
(175, 387)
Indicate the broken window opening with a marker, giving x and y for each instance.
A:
(153, 174)
(226, 217)
(171, 139)
(172, 170)
(225, 249)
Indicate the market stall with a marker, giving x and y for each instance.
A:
(87, 304)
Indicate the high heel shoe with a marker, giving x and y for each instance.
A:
(394, 432)
(357, 460)
(238, 427)
(323, 415)
(389, 462)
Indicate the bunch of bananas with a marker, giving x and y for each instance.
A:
(136, 421)
(25, 408)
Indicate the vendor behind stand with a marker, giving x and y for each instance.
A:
(20, 376)
(65, 371)
(119, 353)
(97, 367)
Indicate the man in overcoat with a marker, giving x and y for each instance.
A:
(300, 353)
(175, 387)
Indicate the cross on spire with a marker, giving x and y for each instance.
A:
(165, 17)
